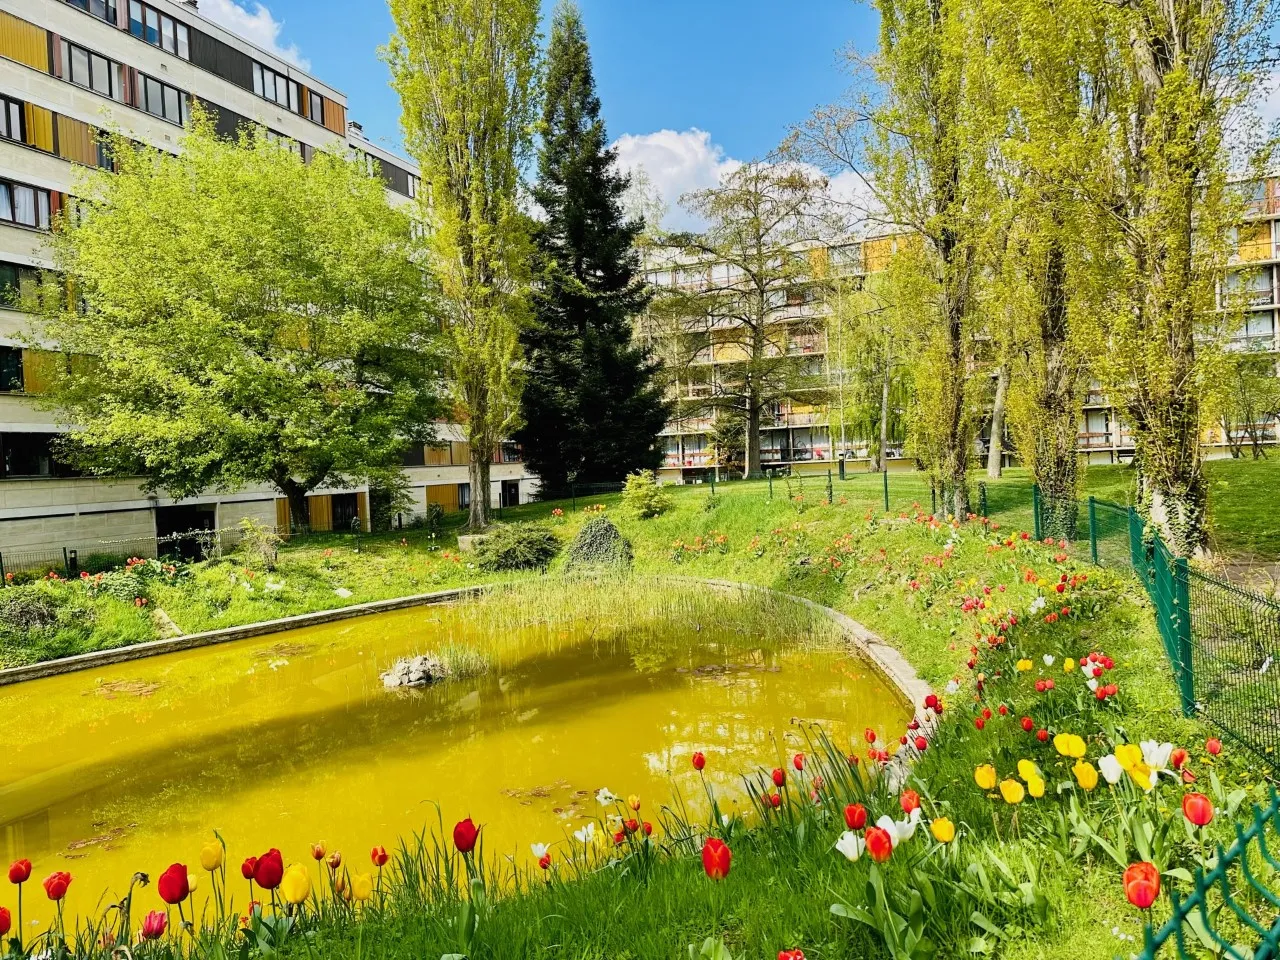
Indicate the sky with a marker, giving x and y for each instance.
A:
(688, 88)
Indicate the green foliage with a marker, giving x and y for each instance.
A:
(644, 496)
(269, 325)
(599, 545)
(517, 546)
(592, 404)
(49, 619)
(259, 544)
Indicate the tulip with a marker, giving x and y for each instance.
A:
(1142, 884)
(172, 885)
(1085, 773)
(869, 735)
(362, 887)
(1198, 809)
(1028, 724)
(317, 851)
(851, 845)
(1027, 770)
(910, 800)
(1042, 735)
(295, 886)
(20, 871)
(1178, 759)
(268, 869)
(1035, 787)
(211, 855)
(379, 854)
(154, 925)
(465, 834)
(944, 831)
(633, 802)
(699, 761)
(985, 777)
(716, 857)
(1069, 745)
(1012, 791)
(855, 816)
(1213, 745)
(775, 800)
(879, 844)
(779, 776)
(790, 955)
(55, 885)
(920, 744)
(6, 921)
(1111, 769)
(334, 860)
(798, 761)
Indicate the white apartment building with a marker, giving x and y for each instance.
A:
(66, 68)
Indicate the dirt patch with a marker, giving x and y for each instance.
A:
(106, 840)
(111, 689)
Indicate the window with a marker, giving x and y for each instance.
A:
(10, 370)
(102, 9)
(87, 69)
(290, 144)
(161, 100)
(276, 87)
(159, 29)
(317, 106)
(30, 455)
(15, 281)
(11, 125)
(23, 205)
(413, 186)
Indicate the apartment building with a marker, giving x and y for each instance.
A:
(67, 69)
(804, 436)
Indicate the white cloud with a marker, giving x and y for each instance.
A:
(258, 27)
(676, 163)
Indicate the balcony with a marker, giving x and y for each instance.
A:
(1096, 441)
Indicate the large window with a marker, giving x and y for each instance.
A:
(23, 205)
(105, 9)
(30, 455)
(88, 69)
(10, 369)
(159, 29)
(161, 100)
(276, 87)
(317, 106)
(11, 125)
(16, 280)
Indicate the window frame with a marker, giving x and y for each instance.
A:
(292, 91)
(42, 199)
(145, 94)
(114, 69)
(11, 109)
(18, 383)
(172, 35)
(110, 8)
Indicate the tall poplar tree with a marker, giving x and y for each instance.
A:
(465, 71)
(592, 405)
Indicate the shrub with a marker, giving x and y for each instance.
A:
(599, 544)
(517, 546)
(645, 496)
(259, 544)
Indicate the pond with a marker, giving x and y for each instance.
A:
(290, 739)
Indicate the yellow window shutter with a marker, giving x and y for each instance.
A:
(282, 515)
(39, 370)
(39, 127)
(362, 509)
(76, 141)
(24, 42)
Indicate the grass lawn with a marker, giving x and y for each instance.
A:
(1043, 874)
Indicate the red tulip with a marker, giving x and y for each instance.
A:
(465, 834)
(379, 854)
(979, 722)
(855, 816)
(154, 925)
(931, 701)
(247, 868)
(790, 955)
(6, 921)
(55, 885)
(921, 743)
(1198, 809)
(1178, 758)
(1213, 745)
(317, 851)
(1142, 884)
(798, 761)
(1042, 735)
(20, 871)
(334, 860)
(910, 800)
(647, 827)
(870, 735)
(173, 885)
(775, 800)
(779, 776)
(699, 761)
(545, 861)
(1028, 724)
(269, 869)
(879, 844)
(716, 857)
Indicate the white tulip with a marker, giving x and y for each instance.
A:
(539, 850)
(1111, 769)
(851, 845)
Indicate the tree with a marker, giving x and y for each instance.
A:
(744, 288)
(919, 141)
(1177, 73)
(238, 316)
(593, 405)
(1246, 400)
(465, 72)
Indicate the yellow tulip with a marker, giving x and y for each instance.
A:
(1024, 666)
(1069, 745)
(362, 887)
(1027, 770)
(944, 831)
(1012, 791)
(1086, 774)
(211, 855)
(1128, 755)
(1035, 787)
(985, 776)
(295, 886)
(1143, 776)
(1068, 665)
(192, 882)
(633, 802)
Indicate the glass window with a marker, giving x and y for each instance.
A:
(101, 77)
(168, 39)
(10, 360)
(184, 42)
(257, 79)
(293, 96)
(42, 209)
(6, 202)
(24, 206)
(11, 119)
(152, 34)
(172, 112)
(317, 107)
(80, 66)
(135, 18)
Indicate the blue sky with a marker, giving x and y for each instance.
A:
(687, 85)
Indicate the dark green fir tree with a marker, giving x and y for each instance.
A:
(593, 402)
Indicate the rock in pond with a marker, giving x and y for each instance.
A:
(415, 672)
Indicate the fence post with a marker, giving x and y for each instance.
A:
(982, 498)
(884, 474)
(1181, 625)
(1093, 529)
(66, 563)
(842, 468)
(1035, 510)
(769, 474)
(831, 494)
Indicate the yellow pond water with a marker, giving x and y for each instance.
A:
(291, 739)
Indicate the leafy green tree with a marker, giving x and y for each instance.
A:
(238, 316)
(466, 71)
(593, 404)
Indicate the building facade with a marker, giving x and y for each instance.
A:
(67, 69)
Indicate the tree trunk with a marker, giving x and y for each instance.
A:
(751, 466)
(479, 515)
(1057, 439)
(995, 454)
(882, 454)
(299, 506)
